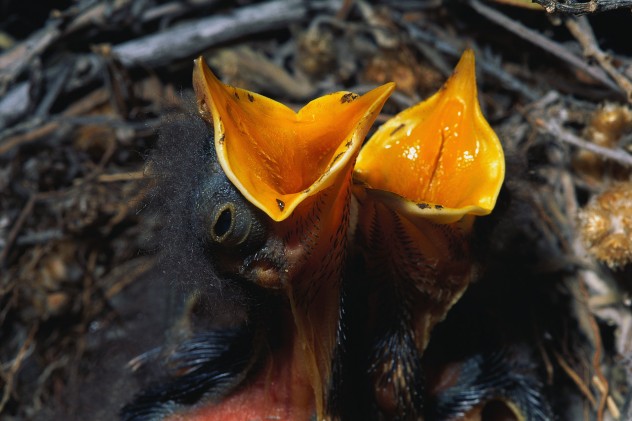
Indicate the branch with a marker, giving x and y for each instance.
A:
(591, 6)
(582, 31)
(559, 133)
(543, 42)
(194, 37)
(496, 71)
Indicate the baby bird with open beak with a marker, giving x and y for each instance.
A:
(273, 205)
(420, 181)
(270, 207)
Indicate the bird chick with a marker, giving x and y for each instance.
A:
(420, 180)
(270, 211)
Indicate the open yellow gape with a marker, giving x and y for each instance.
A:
(420, 180)
(277, 157)
(296, 167)
(440, 156)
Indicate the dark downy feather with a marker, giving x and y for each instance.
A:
(484, 378)
(215, 336)
(212, 361)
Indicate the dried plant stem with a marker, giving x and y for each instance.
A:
(15, 367)
(126, 176)
(195, 37)
(582, 31)
(597, 356)
(554, 128)
(17, 226)
(582, 8)
(584, 389)
(545, 43)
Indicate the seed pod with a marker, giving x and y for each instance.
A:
(605, 225)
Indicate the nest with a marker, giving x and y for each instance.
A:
(85, 89)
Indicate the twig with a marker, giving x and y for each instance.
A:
(246, 64)
(15, 367)
(520, 3)
(582, 31)
(543, 42)
(29, 136)
(175, 8)
(596, 360)
(576, 379)
(41, 380)
(29, 130)
(28, 208)
(383, 37)
(85, 70)
(39, 237)
(603, 389)
(127, 176)
(583, 296)
(54, 91)
(13, 62)
(14, 103)
(59, 122)
(194, 37)
(509, 81)
(558, 132)
(582, 8)
(17, 226)
(87, 103)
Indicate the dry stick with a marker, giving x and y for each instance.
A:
(127, 176)
(598, 377)
(30, 136)
(582, 31)
(175, 9)
(543, 42)
(15, 60)
(15, 367)
(603, 389)
(520, 3)
(41, 129)
(193, 37)
(508, 80)
(583, 388)
(555, 129)
(14, 103)
(28, 208)
(44, 376)
(87, 103)
(26, 211)
(383, 37)
(53, 91)
(60, 122)
(596, 361)
(185, 40)
(577, 8)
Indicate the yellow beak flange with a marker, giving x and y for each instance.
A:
(277, 157)
(440, 156)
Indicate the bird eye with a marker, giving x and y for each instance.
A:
(230, 226)
(234, 224)
(228, 221)
(224, 222)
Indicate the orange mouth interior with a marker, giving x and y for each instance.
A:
(441, 152)
(275, 156)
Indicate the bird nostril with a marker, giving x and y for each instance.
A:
(223, 223)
